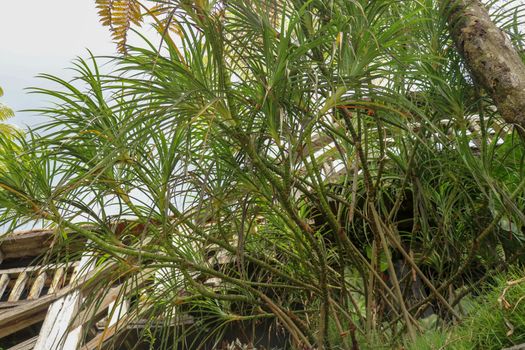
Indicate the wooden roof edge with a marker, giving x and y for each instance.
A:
(25, 234)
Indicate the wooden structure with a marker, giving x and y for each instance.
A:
(41, 305)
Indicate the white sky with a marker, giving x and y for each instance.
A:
(44, 36)
(39, 36)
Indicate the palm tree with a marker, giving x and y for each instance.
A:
(317, 167)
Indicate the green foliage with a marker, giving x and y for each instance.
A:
(498, 320)
(495, 322)
(6, 130)
(210, 148)
(5, 112)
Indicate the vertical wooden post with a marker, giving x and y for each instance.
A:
(55, 330)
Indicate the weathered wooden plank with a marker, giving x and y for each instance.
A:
(25, 345)
(34, 311)
(37, 286)
(11, 304)
(74, 274)
(73, 339)
(100, 338)
(23, 316)
(97, 309)
(58, 280)
(106, 334)
(56, 331)
(19, 287)
(4, 281)
(26, 244)
(109, 297)
(37, 268)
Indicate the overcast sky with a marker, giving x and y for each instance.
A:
(44, 36)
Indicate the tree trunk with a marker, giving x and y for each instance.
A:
(490, 56)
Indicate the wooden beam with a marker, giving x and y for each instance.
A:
(37, 286)
(26, 244)
(106, 334)
(26, 345)
(97, 309)
(58, 280)
(56, 332)
(74, 273)
(19, 287)
(4, 280)
(99, 340)
(23, 316)
(34, 311)
(11, 304)
(37, 268)
(109, 298)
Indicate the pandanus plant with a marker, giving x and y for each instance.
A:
(309, 164)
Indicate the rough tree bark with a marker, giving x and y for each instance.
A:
(490, 56)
